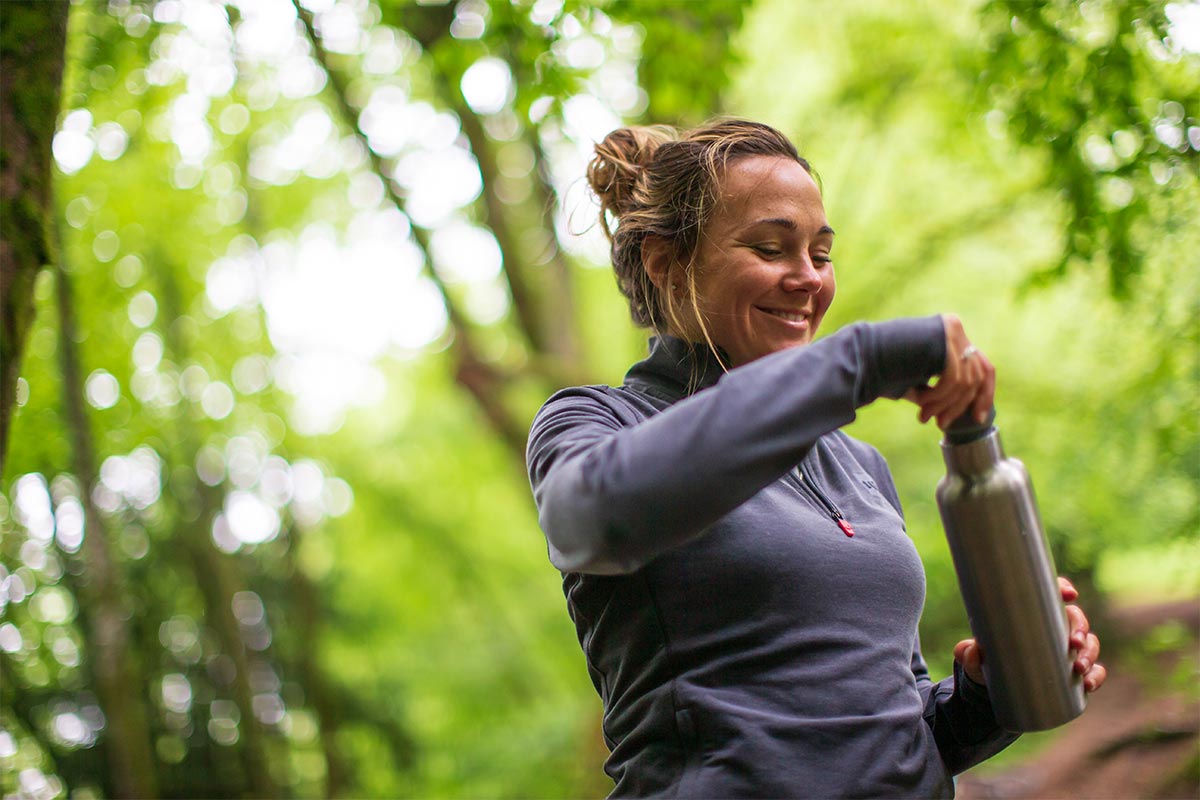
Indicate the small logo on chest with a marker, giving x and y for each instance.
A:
(870, 484)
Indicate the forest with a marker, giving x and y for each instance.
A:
(285, 281)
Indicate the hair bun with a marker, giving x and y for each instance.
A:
(620, 161)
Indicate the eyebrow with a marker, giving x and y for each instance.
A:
(790, 225)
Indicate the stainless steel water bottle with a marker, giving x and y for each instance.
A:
(1007, 579)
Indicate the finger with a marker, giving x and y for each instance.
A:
(949, 399)
(934, 399)
(923, 397)
(1095, 678)
(920, 396)
(966, 385)
(979, 385)
(969, 655)
(958, 382)
(1088, 655)
(987, 393)
(953, 411)
(1079, 627)
(1069, 592)
(958, 397)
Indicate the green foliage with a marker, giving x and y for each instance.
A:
(1166, 658)
(1110, 103)
(685, 68)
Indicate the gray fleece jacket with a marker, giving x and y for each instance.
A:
(740, 577)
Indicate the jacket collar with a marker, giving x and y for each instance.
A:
(675, 368)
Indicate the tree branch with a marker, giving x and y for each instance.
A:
(481, 379)
(497, 219)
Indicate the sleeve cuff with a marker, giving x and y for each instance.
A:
(969, 691)
(901, 354)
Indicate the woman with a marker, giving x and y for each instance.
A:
(737, 568)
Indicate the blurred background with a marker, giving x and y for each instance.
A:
(284, 284)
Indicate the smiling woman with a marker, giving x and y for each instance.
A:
(738, 569)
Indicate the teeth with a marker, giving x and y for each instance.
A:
(789, 316)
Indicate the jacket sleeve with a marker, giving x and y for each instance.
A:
(611, 496)
(959, 712)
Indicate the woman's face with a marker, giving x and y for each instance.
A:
(764, 277)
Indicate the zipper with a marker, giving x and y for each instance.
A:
(833, 511)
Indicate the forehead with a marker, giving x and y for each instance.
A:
(767, 187)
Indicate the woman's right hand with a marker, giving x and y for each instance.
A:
(967, 381)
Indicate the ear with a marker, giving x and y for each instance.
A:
(658, 260)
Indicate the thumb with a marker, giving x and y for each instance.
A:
(969, 655)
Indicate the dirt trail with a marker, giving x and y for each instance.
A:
(1136, 740)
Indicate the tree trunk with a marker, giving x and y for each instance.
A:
(217, 575)
(118, 679)
(32, 47)
(305, 606)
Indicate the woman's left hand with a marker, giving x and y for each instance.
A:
(1082, 642)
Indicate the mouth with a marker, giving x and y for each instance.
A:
(798, 318)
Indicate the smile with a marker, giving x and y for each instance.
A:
(789, 316)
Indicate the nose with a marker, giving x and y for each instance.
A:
(802, 276)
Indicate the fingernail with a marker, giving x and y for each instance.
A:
(981, 417)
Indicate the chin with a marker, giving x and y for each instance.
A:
(794, 343)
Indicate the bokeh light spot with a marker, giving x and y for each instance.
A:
(147, 351)
(143, 308)
(53, 605)
(176, 692)
(105, 246)
(465, 253)
(111, 141)
(487, 85)
(251, 374)
(10, 638)
(248, 608)
(32, 506)
(102, 389)
(250, 520)
(69, 524)
(128, 270)
(233, 119)
(223, 722)
(217, 400)
(72, 146)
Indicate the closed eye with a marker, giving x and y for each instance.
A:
(766, 250)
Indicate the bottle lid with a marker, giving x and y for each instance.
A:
(967, 429)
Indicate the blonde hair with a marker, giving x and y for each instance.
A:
(657, 181)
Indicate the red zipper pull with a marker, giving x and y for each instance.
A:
(844, 524)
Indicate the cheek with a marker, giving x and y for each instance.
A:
(829, 288)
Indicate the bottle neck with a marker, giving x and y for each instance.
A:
(973, 458)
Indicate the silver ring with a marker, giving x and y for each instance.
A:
(970, 351)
